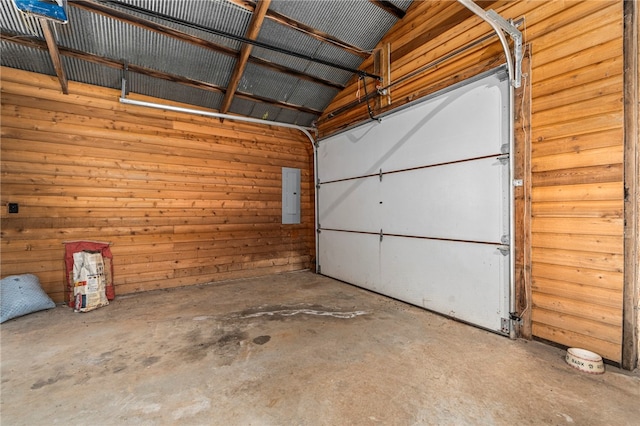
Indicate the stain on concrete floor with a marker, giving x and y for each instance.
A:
(295, 348)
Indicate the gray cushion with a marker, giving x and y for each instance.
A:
(21, 295)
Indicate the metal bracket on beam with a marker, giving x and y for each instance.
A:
(516, 35)
(500, 26)
(125, 77)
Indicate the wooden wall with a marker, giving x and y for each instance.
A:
(183, 199)
(570, 279)
(577, 181)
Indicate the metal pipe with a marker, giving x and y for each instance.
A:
(316, 191)
(305, 130)
(512, 228)
(469, 4)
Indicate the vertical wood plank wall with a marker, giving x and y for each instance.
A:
(183, 199)
(576, 137)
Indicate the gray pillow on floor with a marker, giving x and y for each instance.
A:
(21, 295)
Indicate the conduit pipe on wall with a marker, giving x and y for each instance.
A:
(514, 81)
(305, 130)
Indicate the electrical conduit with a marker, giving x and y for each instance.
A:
(304, 130)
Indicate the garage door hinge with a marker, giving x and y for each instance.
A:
(381, 235)
(505, 325)
(504, 158)
(380, 175)
(504, 249)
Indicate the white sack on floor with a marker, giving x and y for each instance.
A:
(89, 281)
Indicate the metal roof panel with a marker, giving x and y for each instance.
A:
(357, 22)
(13, 20)
(26, 58)
(87, 72)
(163, 89)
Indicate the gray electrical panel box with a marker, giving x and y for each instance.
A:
(290, 195)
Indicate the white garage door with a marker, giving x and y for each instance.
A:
(417, 207)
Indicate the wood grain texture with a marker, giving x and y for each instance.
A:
(183, 199)
(577, 196)
(573, 141)
(200, 188)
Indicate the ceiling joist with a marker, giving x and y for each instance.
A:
(301, 27)
(55, 55)
(389, 7)
(147, 24)
(252, 33)
(36, 43)
(231, 36)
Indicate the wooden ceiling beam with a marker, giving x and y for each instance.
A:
(36, 43)
(252, 33)
(390, 8)
(440, 24)
(149, 25)
(301, 27)
(52, 46)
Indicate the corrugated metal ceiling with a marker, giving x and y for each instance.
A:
(181, 56)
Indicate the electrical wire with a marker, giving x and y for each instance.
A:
(366, 97)
(311, 34)
(230, 36)
(333, 42)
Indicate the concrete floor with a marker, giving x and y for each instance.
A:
(297, 349)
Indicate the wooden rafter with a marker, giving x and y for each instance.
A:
(389, 7)
(252, 33)
(299, 26)
(36, 43)
(147, 24)
(55, 55)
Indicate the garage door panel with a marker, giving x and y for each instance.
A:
(463, 201)
(351, 205)
(350, 257)
(336, 155)
(450, 277)
(422, 203)
(446, 128)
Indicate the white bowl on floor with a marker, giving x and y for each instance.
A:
(584, 360)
